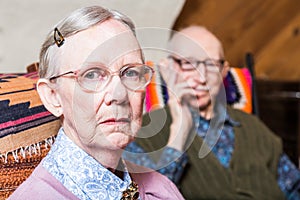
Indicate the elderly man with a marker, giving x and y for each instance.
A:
(232, 155)
(93, 76)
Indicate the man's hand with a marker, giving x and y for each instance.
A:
(181, 115)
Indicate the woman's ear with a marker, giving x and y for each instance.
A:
(49, 97)
(226, 68)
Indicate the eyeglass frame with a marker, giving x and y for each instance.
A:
(198, 62)
(76, 75)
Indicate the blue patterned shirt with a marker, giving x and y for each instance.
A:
(87, 179)
(173, 171)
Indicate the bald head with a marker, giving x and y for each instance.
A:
(196, 42)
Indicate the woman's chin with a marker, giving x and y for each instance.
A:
(120, 141)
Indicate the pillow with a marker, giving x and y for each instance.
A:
(237, 83)
(27, 130)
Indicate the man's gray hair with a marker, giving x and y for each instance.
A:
(77, 21)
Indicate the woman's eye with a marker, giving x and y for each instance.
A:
(186, 62)
(130, 73)
(93, 74)
(190, 64)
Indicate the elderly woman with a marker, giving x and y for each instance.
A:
(93, 76)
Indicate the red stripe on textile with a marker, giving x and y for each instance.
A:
(24, 119)
(32, 75)
(246, 87)
(147, 99)
(26, 126)
(151, 98)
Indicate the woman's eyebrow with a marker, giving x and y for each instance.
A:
(86, 65)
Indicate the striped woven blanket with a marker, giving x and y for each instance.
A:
(237, 84)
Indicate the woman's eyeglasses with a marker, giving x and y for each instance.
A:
(133, 76)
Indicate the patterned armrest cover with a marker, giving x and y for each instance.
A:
(27, 130)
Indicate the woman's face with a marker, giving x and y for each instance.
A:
(108, 119)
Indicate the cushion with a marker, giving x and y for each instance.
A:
(237, 84)
(27, 129)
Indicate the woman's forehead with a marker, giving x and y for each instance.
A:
(115, 50)
(107, 41)
(116, 62)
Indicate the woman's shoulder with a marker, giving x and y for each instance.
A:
(153, 185)
(41, 185)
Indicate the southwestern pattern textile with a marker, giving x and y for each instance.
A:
(27, 130)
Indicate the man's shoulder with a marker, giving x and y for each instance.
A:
(243, 117)
(253, 125)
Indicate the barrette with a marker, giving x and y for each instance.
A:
(58, 38)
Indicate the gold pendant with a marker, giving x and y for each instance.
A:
(131, 193)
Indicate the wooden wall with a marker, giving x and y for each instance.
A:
(268, 29)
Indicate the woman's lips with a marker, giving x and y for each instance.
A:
(114, 121)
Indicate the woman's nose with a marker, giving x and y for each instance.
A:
(116, 92)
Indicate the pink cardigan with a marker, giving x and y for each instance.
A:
(42, 185)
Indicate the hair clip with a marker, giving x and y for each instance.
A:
(58, 38)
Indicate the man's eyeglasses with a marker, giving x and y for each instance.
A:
(133, 76)
(192, 64)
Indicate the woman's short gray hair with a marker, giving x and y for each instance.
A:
(77, 21)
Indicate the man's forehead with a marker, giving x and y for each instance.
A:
(185, 46)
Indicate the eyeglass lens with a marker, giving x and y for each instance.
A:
(134, 77)
(192, 64)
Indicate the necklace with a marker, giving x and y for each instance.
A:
(131, 193)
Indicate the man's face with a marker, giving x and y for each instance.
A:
(197, 62)
(108, 119)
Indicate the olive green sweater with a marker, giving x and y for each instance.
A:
(253, 168)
